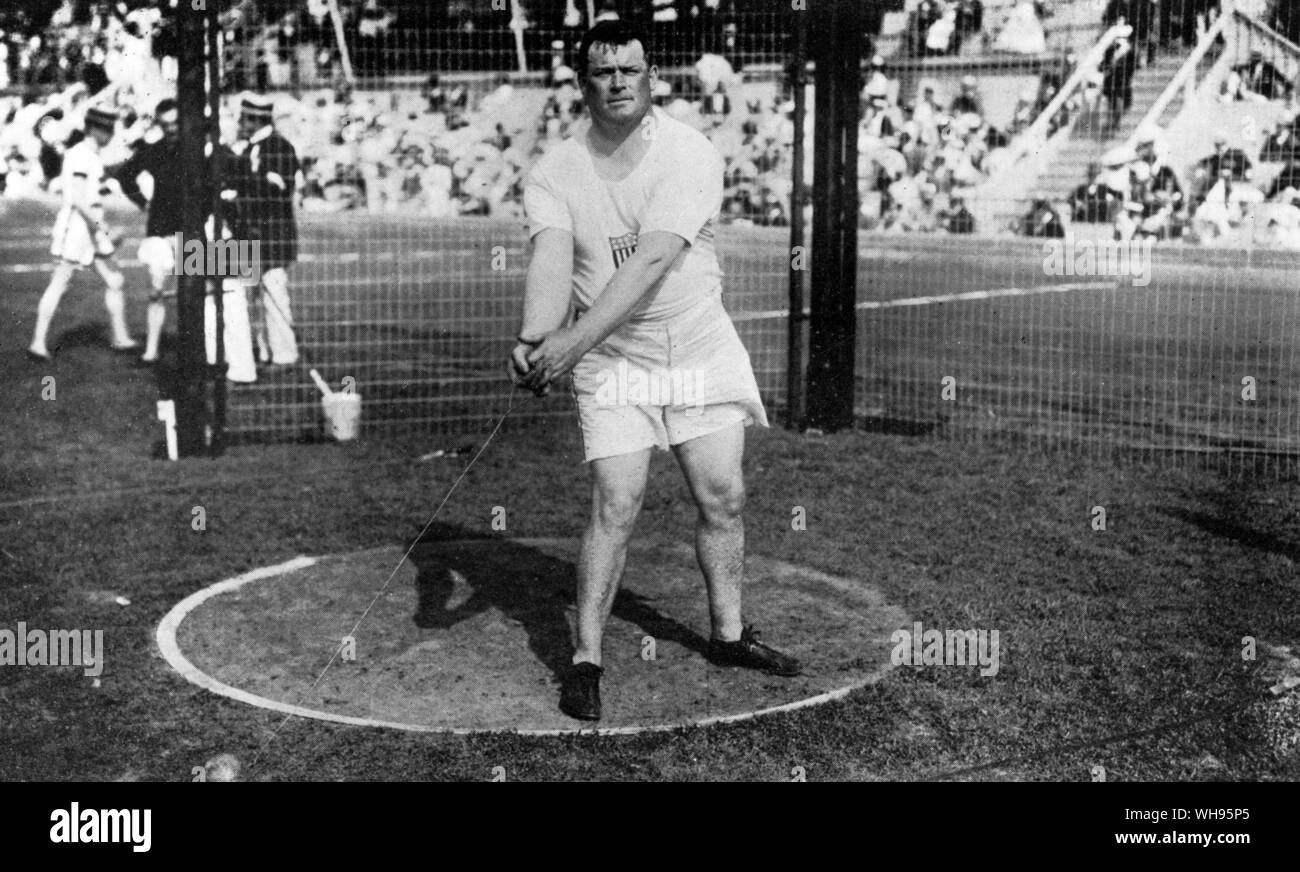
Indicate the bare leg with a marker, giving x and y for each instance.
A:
(618, 484)
(49, 304)
(114, 302)
(712, 465)
(156, 313)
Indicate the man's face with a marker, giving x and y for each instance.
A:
(248, 126)
(618, 83)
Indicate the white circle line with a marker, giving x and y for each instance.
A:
(171, 652)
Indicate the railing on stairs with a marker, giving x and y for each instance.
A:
(1190, 76)
(1195, 89)
(1030, 151)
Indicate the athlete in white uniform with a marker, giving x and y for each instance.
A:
(621, 217)
(81, 237)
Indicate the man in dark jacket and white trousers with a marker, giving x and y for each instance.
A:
(269, 172)
(161, 161)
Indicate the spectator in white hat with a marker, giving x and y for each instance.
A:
(1207, 170)
(1118, 67)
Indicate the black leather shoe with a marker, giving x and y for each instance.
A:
(36, 357)
(580, 692)
(749, 652)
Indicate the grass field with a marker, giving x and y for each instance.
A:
(1121, 648)
(417, 313)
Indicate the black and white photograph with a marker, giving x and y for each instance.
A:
(652, 390)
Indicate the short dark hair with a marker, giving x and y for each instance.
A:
(165, 105)
(615, 32)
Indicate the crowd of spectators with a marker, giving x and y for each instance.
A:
(1220, 198)
(441, 154)
(119, 56)
(917, 159)
(938, 28)
(289, 44)
(1213, 200)
(278, 43)
(87, 42)
(443, 151)
(428, 153)
(437, 151)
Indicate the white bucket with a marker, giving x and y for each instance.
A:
(342, 415)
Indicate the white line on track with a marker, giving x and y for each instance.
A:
(941, 298)
(348, 257)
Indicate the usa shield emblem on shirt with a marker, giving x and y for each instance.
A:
(622, 247)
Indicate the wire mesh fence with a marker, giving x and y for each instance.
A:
(1190, 358)
(415, 134)
(1006, 150)
(1144, 305)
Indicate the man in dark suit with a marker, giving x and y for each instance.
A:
(1139, 14)
(1042, 221)
(1092, 202)
(1234, 159)
(268, 174)
(1118, 66)
(1232, 162)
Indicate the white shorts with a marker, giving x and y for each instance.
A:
(158, 254)
(660, 384)
(74, 242)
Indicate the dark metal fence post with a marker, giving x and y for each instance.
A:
(191, 400)
(798, 251)
(837, 53)
(218, 370)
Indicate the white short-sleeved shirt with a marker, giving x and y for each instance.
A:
(82, 163)
(677, 188)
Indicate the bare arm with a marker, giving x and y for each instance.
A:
(549, 284)
(547, 291)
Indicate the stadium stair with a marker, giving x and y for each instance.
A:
(1087, 144)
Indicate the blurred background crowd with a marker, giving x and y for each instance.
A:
(444, 144)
